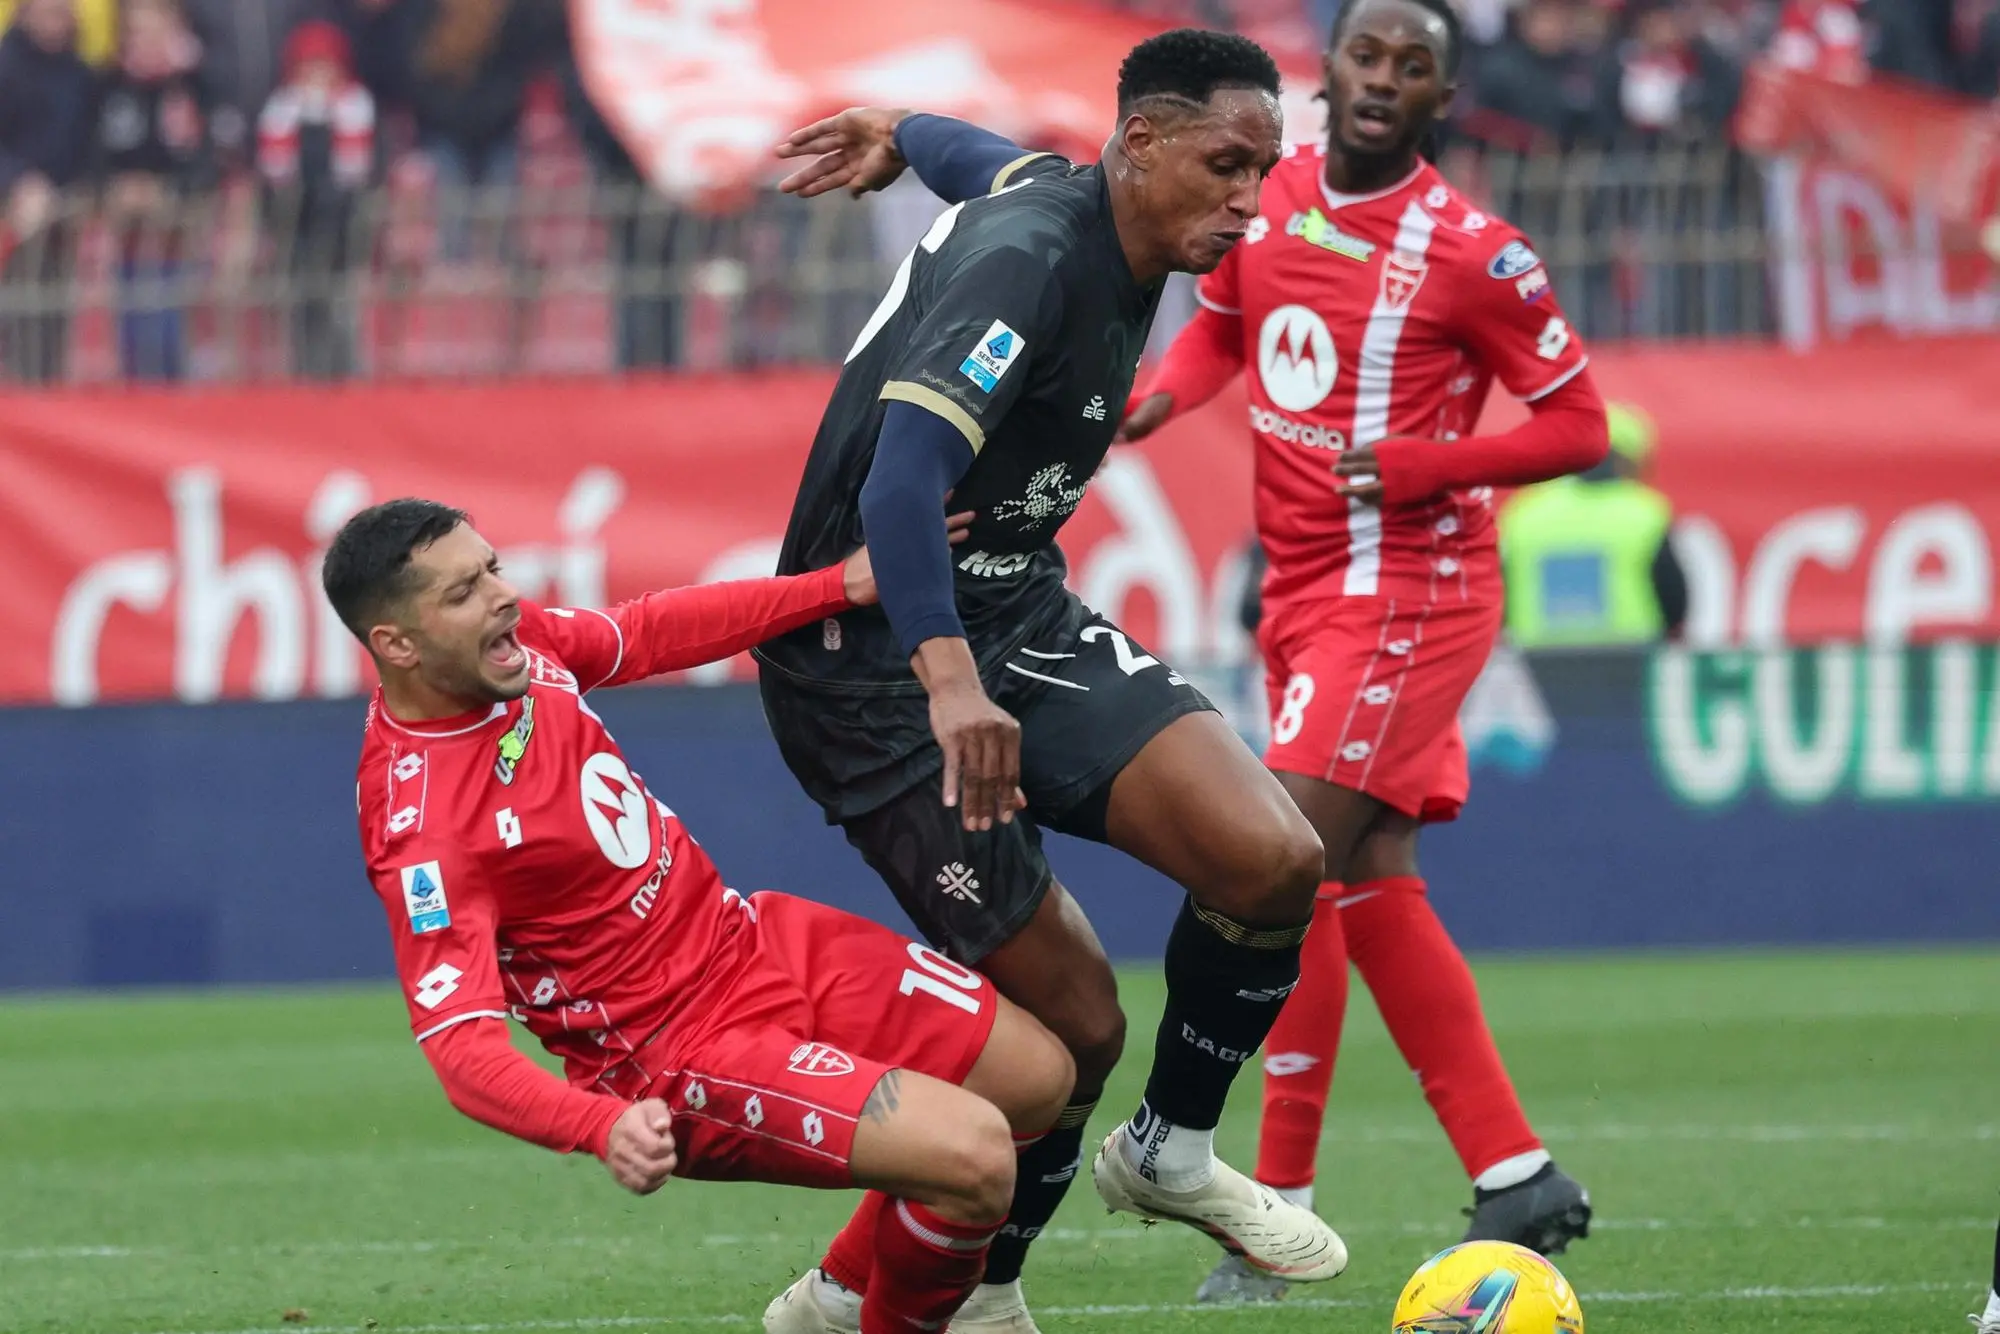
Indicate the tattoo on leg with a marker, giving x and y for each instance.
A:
(881, 1104)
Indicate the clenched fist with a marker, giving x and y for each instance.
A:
(640, 1156)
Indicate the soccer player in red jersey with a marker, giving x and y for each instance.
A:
(529, 873)
(1375, 306)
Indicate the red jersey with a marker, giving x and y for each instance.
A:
(528, 872)
(1370, 316)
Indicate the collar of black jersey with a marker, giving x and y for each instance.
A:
(1133, 294)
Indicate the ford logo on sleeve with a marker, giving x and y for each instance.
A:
(1514, 261)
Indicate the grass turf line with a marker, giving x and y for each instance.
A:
(1801, 1142)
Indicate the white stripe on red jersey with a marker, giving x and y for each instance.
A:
(1371, 316)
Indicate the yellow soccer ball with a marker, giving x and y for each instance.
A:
(1488, 1287)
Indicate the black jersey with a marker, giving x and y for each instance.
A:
(1017, 320)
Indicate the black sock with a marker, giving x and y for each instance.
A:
(1225, 985)
(1042, 1176)
(1996, 1261)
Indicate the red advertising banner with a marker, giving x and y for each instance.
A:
(165, 544)
(699, 92)
(1883, 200)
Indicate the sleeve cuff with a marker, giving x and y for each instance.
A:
(598, 1144)
(829, 586)
(934, 625)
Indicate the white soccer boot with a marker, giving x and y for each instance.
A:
(1247, 1219)
(1234, 1283)
(814, 1305)
(994, 1308)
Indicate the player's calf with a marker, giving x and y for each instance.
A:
(1025, 1071)
(945, 1158)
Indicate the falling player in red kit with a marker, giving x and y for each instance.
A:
(529, 873)
(1376, 306)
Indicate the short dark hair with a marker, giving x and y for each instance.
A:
(1454, 28)
(367, 568)
(1188, 66)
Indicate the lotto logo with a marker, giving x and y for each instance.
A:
(438, 984)
(1377, 695)
(402, 819)
(1356, 751)
(696, 1096)
(545, 991)
(753, 1111)
(814, 1128)
(408, 767)
(1554, 340)
(1289, 1063)
(1399, 647)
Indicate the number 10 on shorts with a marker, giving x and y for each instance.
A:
(935, 975)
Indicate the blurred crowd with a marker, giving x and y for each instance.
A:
(1630, 71)
(155, 141)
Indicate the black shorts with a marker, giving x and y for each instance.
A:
(1088, 699)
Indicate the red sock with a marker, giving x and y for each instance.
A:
(925, 1267)
(851, 1254)
(1298, 1055)
(1428, 999)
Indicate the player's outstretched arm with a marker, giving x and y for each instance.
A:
(678, 628)
(867, 148)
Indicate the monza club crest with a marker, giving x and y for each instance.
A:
(820, 1060)
(1402, 274)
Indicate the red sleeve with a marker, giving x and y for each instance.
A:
(681, 627)
(1506, 315)
(442, 924)
(494, 1084)
(1566, 434)
(1204, 357)
(441, 921)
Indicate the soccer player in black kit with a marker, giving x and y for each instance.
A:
(983, 701)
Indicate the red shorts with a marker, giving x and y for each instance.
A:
(1365, 694)
(768, 1082)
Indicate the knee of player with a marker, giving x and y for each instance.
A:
(1291, 863)
(1053, 1079)
(1095, 1040)
(981, 1170)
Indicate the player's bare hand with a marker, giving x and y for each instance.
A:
(854, 151)
(982, 755)
(1149, 416)
(858, 573)
(641, 1152)
(1364, 473)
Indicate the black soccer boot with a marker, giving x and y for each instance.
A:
(1545, 1213)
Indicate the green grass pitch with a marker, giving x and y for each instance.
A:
(1797, 1143)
